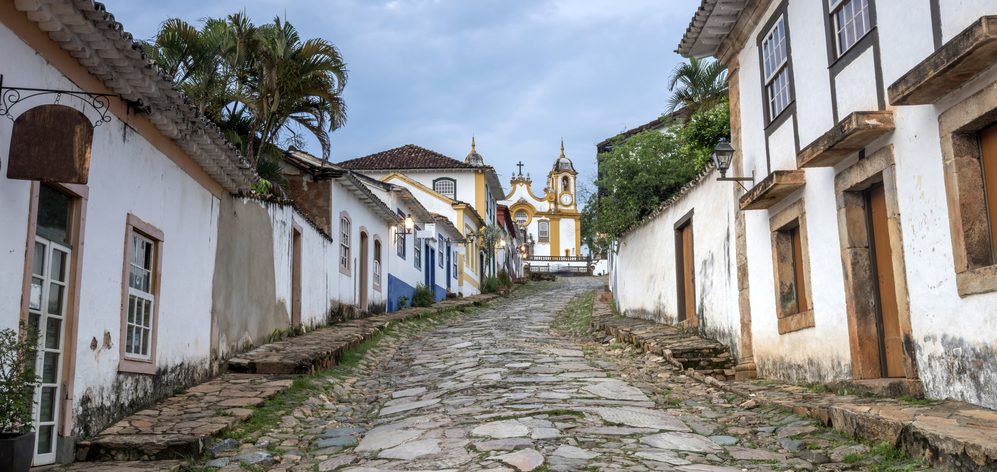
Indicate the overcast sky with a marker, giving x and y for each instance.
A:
(518, 74)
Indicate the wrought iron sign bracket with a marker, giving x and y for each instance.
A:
(12, 96)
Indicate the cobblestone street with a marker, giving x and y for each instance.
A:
(496, 390)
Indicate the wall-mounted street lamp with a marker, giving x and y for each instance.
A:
(409, 226)
(723, 154)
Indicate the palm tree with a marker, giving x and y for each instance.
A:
(260, 84)
(697, 86)
(293, 82)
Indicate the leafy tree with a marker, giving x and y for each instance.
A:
(697, 85)
(490, 237)
(642, 171)
(17, 378)
(260, 84)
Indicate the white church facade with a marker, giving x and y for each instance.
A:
(552, 220)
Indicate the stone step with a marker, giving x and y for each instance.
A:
(681, 346)
(179, 427)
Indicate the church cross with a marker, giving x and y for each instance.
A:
(520, 165)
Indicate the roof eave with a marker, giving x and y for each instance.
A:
(709, 27)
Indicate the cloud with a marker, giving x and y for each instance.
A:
(519, 74)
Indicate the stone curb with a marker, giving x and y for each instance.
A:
(179, 426)
(952, 435)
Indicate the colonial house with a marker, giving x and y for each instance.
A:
(423, 249)
(552, 220)
(445, 186)
(132, 240)
(470, 180)
(863, 247)
(470, 254)
(353, 216)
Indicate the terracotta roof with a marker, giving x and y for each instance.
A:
(90, 34)
(321, 169)
(408, 156)
(653, 124)
(711, 24)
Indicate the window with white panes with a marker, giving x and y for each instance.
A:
(344, 243)
(441, 244)
(416, 253)
(543, 231)
(521, 217)
(377, 264)
(141, 299)
(445, 186)
(852, 19)
(775, 65)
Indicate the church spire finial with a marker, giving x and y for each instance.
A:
(472, 143)
(562, 147)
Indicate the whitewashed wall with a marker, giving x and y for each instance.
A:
(953, 336)
(127, 175)
(643, 267)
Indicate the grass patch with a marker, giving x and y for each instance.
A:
(576, 317)
(910, 400)
(884, 457)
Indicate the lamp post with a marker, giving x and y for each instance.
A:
(722, 156)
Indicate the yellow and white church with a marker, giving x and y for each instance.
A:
(552, 219)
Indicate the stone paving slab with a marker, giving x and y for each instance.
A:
(950, 434)
(178, 426)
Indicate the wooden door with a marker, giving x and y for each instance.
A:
(296, 277)
(686, 275)
(988, 154)
(890, 337)
(364, 279)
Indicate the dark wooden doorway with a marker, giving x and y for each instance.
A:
(888, 334)
(364, 283)
(296, 276)
(685, 272)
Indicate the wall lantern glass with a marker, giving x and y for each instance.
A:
(723, 154)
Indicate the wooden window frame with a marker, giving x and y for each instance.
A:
(540, 237)
(441, 246)
(789, 235)
(416, 250)
(441, 180)
(972, 248)
(836, 6)
(786, 66)
(345, 248)
(127, 362)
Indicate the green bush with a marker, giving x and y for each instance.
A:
(402, 301)
(504, 279)
(423, 296)
(17, 380)
(491, 285)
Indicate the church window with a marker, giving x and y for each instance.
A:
(521, 217)
(445, 186)
(543, 231)
(565, 184)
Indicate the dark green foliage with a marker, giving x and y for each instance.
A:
(17, 380)
(423, 296)
(697, 85)
(644, 170)
(491, 285)
(402, 301)
(504, 280)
